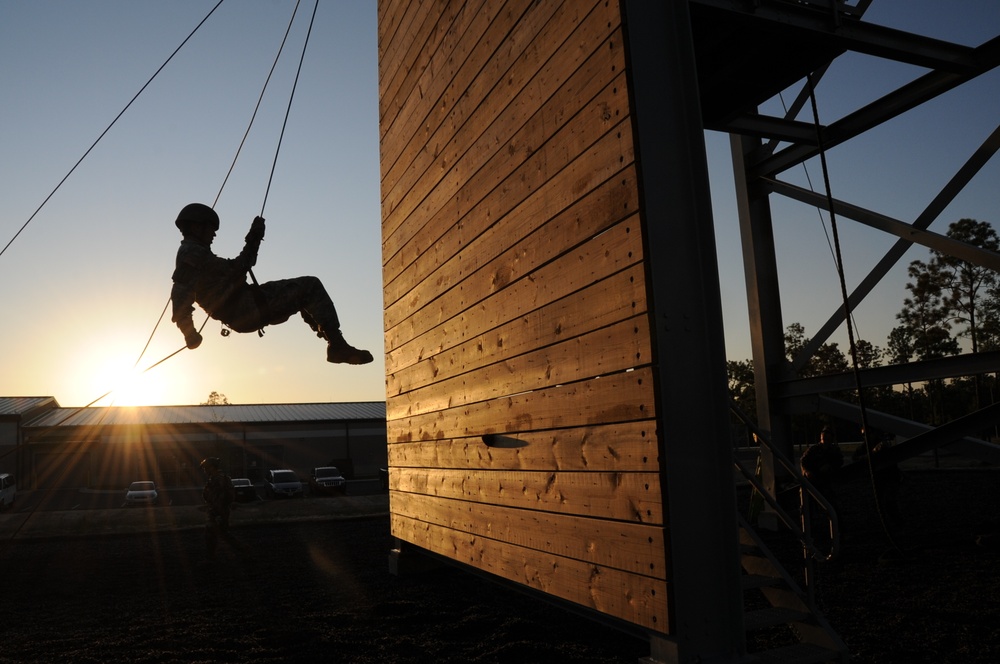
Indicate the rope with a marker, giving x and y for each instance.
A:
(103, 133)
(259, 100)
(225, 180)
(865, 429)
(288, 111)
(812, 188)
(277, 149)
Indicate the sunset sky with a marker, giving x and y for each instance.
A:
(85, 282)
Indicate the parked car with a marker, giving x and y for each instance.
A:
(326, 480)
(142, 493)
(8, 489)
(245, 490)
(283, 483)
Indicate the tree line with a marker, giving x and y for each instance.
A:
(951, 306)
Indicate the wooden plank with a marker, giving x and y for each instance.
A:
(629, 547)
(470, 90)
(626, 446)
(603, 257)
(395, 33)
(430, 91)
(592, 102)
(637, 599)
(450, 34)
(622, 496)
(595, 164)
(623, 397)
(407, 56)
(606, 257)
(621, 346)
(572, 206)
(604, 302)
(504, 92)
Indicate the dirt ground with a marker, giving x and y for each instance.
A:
(928, 590)
(321, 591)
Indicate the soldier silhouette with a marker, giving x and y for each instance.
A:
(220, 287)
(218, 495)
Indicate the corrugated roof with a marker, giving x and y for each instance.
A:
(230, 414)
(21, 405)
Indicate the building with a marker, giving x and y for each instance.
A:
(53, 447)
(13, 412)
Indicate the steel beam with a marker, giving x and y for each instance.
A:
(688, 335)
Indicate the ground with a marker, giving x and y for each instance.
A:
(320, 591)
(926, 592)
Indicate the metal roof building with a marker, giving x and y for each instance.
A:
(22, 406)
(55, 447)
(231, 414)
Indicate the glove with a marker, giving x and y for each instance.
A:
(192, 339)
(256, 233)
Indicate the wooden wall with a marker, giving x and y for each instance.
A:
(521, 417)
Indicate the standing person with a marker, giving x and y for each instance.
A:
(820, 461)
(219, 285)
(218, 495)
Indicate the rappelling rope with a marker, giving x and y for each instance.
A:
(103, 133)
(865, 430)
(246, 134)
(225, 180)
(261, 303)
(257, 107)
(288, 109)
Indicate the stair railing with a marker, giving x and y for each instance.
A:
(802, 527)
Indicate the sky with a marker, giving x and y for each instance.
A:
(84, 284)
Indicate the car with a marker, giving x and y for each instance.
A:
(244, 489)
(142, 493)
(327, 479)
(283, 483)
(8, 489)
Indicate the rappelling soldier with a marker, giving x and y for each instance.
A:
(218, 495)
(220, 287)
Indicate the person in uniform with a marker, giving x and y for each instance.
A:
(218, 495)
(820, 461)
(220, 287)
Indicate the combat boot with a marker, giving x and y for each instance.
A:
(339, 351)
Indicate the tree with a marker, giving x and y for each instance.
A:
(826, 360)
(966, 285)
(216, 399)
(926, 314)
(869, 355)
(741, 388)
(901, 351)
(960, 293)
(926, 318)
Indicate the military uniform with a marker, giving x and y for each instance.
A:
(819, 462)
(220, 287)
(218, 495)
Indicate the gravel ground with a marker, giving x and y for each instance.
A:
(316, 591)
(928, 591)
(320, 591)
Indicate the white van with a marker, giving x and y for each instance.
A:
(8, 489)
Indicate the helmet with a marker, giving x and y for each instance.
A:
(197, 213)
(211, 463)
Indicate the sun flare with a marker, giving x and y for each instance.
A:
(113, 379)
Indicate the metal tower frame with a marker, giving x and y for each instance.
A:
(793, 41)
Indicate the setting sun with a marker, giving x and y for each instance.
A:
(126, 384)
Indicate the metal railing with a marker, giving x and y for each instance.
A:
(801, 526)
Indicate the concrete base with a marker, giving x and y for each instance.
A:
(406, 559)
